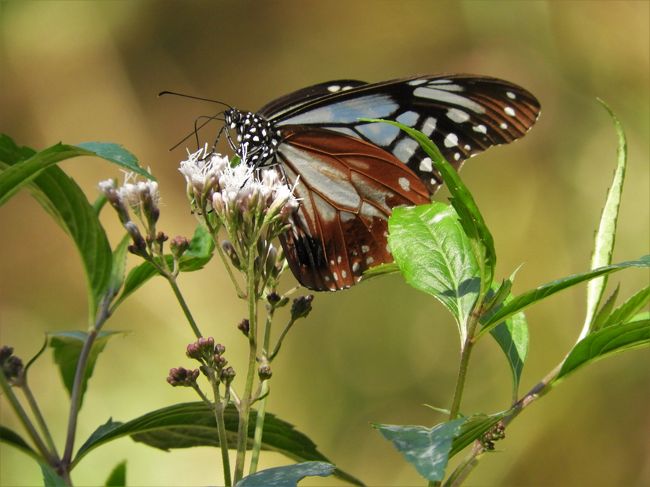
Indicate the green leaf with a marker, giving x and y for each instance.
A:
(198, 254)
(463, 202)
(427, 449)
(117, 477)
(50, 477)
(606, 233)
(473, 429)
(118, 268)
(606, 341)
(67, 347)
(512, 337)
(626, 311)
(117, 154)
(14, 439)
(518, 303)
(606, 309)
(433, 253)
(192, 424)
(65, 201)
(287, 476)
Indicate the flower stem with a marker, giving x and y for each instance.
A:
(26, 422)
(39, 417)
(245, 402)
(464, 364)
(223, 442)
(186, 310)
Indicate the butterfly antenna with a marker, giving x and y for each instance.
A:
(195, 132)
(191, 97)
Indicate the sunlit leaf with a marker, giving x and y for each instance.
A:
(626, 311)
(287, 476)
(427, 449)
(604, 342)
(606, 233)
(434, 256)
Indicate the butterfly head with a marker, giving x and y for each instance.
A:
(256, 138)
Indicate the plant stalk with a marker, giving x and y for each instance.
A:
(186, 310)
(31, 400)
(465, 354)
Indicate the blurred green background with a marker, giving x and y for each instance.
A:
(90, 70)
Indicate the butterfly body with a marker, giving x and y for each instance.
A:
(349, 173)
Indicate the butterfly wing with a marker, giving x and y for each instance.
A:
(347, 188)
(462, 114)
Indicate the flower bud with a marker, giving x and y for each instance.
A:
(201, 349)
(230, 251)
(273, 298)
(180, 376)
(301, 307)
(244, 326)
(227, 375)
(264, 372)
(11, 366)
(178, 246)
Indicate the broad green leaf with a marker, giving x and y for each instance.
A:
(434, 256)
(606, 233)
(522, 301)
(606, 341)
(287, 476)
(65, 201)
(14, 439)
(427, 449)
(472, 221)
(117, 477)
(626, 311)
(50, 477)
(195, 258)
(473, 429)
(605, 310)
(512, 337)
(67, 347)
(192, 424)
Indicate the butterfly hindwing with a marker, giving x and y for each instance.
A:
(347, 189)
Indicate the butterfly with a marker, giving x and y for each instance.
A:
(349, 174)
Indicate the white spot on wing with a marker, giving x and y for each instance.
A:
(509, 111)
(365, 249)
(417, 82)
(405, 149)
(503, 125)
(409, 118)
(429, 126)
(451, 140)
(404, 183)
(511, 95)
(333, 88)
(480, 129)
(426, 165)
(446, 97)
(369, 260)
(456, 115)
(457, 156)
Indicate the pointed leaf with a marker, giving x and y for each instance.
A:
(427, 449)
(626, 311)
(118, 268)
(117, 154)
(433, 253)
(287, 476)
(606, 233)
(512, 337)
(522, 301)
(606, 341)
(67, 347)
(605, 310)
(117, 477)
(192, 424)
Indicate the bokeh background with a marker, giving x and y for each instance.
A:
(76, 71)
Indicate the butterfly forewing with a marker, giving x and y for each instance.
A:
(347, 188)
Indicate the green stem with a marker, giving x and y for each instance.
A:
(186, 310)
(26, 422)
(223, 441)
(39, 417)
(245, 402)
(281, 338)
(465, 354)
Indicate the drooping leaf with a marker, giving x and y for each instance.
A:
(117, 477)
(522, 301)
(434, 256)
(472, 221)
(512, 337)
(626, 311)
(604, 342)
(473, 429)
(606, 233)
(287, 476)
(427, 449)
(192, 424)
(65, 201)
(198, 254)
(14, 439)
(67, 347)
(117, 154)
